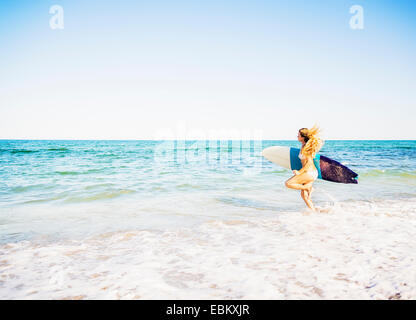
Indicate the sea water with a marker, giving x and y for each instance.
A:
(202, 219)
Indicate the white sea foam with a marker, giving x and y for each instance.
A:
(356, 250)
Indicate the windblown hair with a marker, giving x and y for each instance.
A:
(312, 141)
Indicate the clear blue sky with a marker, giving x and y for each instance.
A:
(127, 69)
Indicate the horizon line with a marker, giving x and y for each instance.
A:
(218, 139)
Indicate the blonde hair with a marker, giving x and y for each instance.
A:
(312, 142)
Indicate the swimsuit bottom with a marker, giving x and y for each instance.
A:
(313, 173)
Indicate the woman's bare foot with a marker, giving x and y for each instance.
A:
(323, 210)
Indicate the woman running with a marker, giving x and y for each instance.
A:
(305, 177)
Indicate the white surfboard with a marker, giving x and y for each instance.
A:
(278, 155)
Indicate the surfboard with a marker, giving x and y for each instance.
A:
(328, 169)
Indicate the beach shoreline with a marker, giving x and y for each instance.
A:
(342, 254)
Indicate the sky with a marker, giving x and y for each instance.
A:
(253, 69)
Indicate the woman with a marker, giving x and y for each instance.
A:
(305, 177)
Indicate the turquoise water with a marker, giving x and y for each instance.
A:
(73, 189)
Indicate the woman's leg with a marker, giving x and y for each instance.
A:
(300, 182)
(306, 197)
(310, 189)
(304, 183)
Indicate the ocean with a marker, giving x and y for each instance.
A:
(203, 220)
